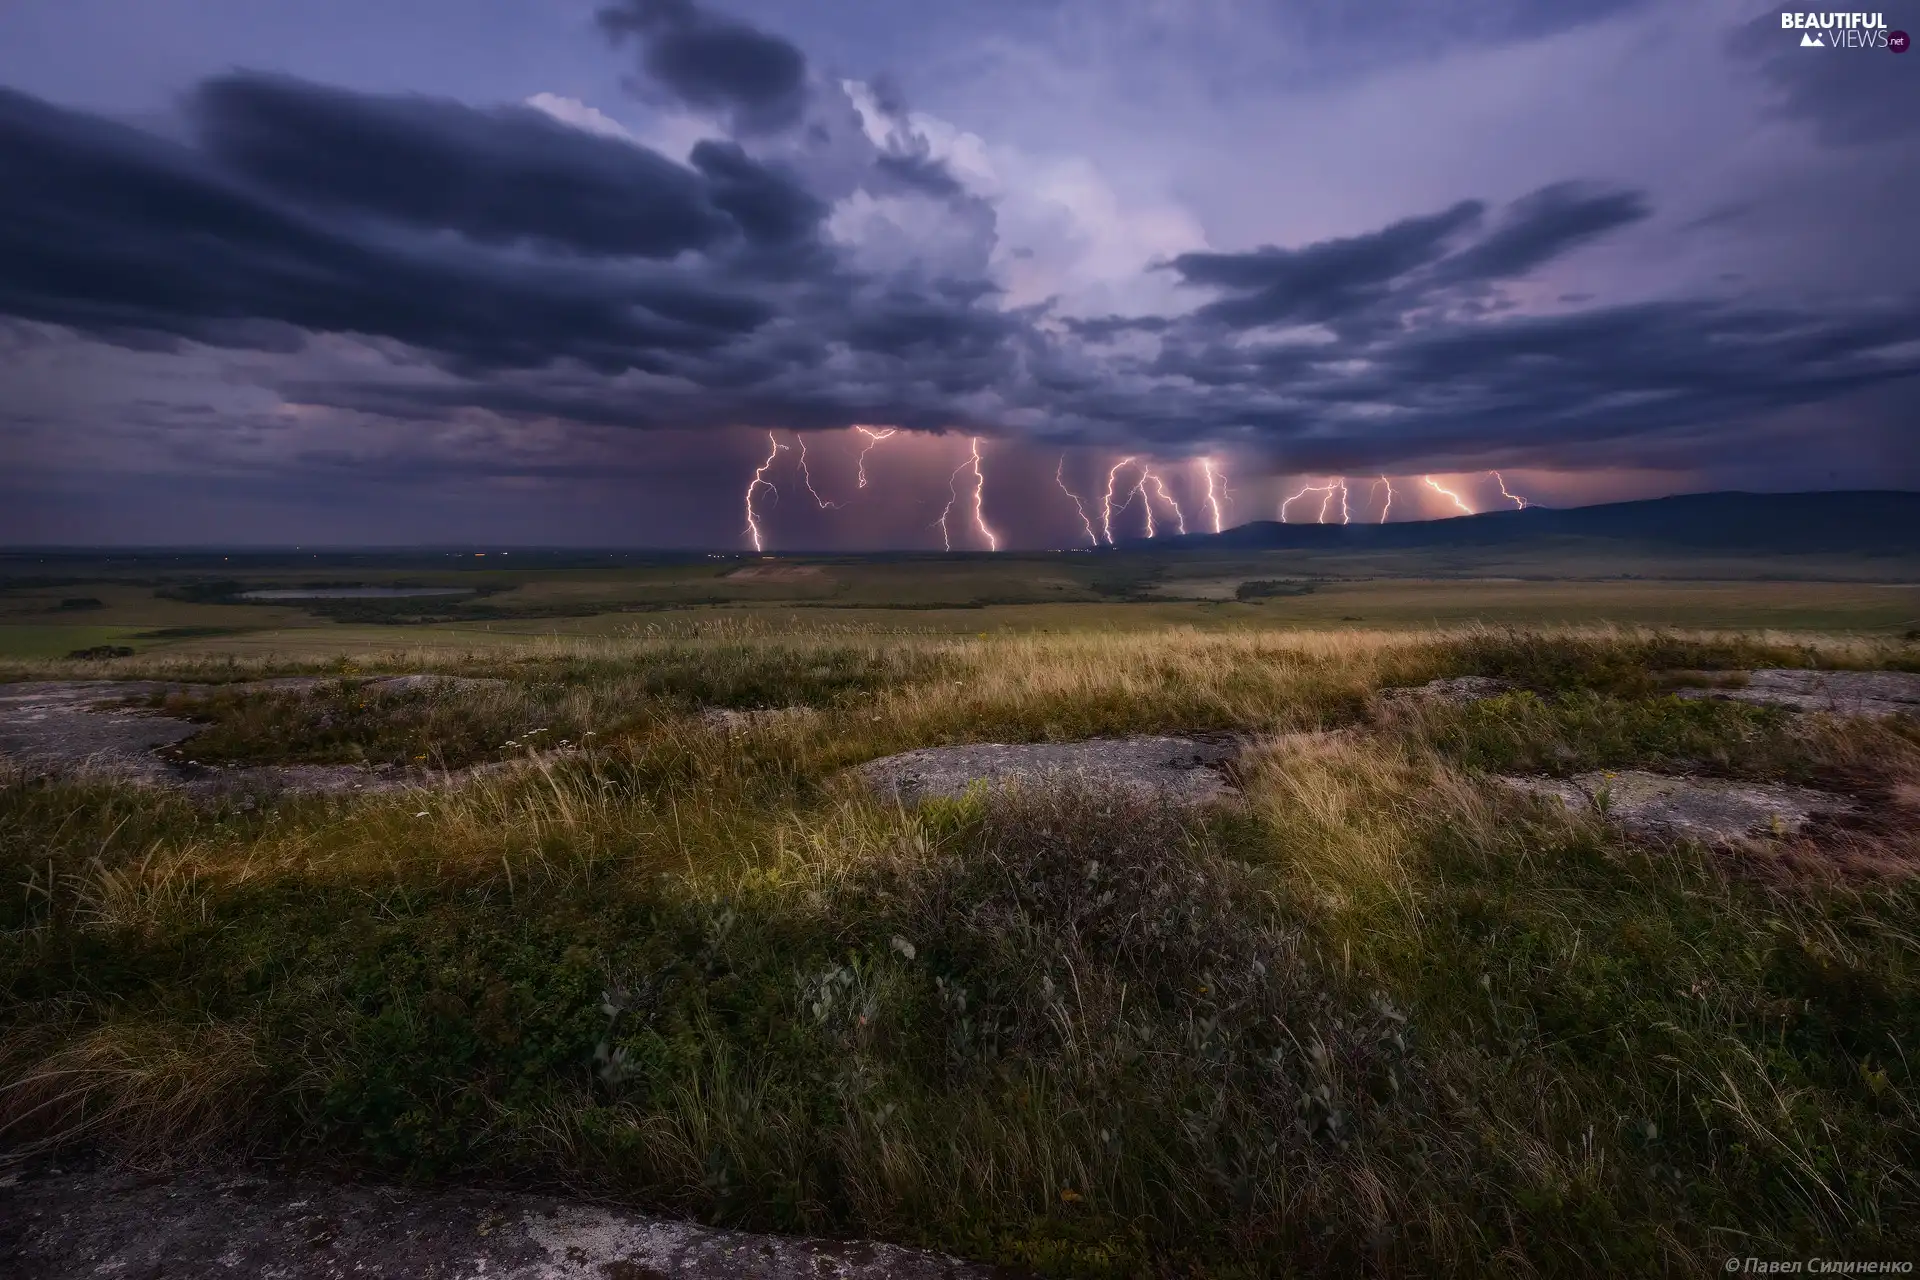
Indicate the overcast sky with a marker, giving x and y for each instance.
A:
(519, 272)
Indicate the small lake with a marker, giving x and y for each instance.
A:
(354, 593)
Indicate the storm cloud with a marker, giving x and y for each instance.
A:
(712, 62)
(811, 252)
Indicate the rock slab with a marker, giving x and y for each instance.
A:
(1875, 694)
(1713, 811)
(65, 1223)
(84, 727)
(1183, 771)
(99, 729)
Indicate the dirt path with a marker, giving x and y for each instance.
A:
(63, 1222)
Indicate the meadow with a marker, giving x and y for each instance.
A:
(192, 605)
(1385, 1015)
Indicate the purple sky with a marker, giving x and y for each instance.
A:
(549, 271)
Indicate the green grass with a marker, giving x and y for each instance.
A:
(1385, 1018)
(56, 641)
(348, 720)
(171, 601)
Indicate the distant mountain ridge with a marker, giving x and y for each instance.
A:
(1844, 522)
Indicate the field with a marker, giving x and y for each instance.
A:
(1387, 1015)
(188, 604)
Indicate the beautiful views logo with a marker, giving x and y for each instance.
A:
(1844, 31)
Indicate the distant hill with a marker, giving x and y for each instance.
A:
(1864, 522)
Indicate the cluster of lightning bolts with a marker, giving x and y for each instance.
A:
(874, 435)
(1148, 486)
(1337, 485)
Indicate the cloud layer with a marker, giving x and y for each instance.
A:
(822, 255)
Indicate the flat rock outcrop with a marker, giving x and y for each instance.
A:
(1184, 771)
(83, 727)
(1876, 694)
(63, 1224)
(1712, 811)
(100, 729)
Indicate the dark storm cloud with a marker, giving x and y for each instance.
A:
(1107, 328)
(1541, 227)
(1540, 389)
(1380, 276)
(493, 176)
(724, 303)
(918, 171)
(122, 234)
(1851, 96)
(1326, 281)
(772, 207)
(715, 63)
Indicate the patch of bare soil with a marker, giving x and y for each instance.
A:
(1875, 694)
(1183, 771)
(93, 1219)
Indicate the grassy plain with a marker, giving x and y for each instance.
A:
(189, 605)
(1388, 1016)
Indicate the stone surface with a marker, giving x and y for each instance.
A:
(1877, 694)
(84, 727)
(1456, 690)
(94, 1220)
(1186, 771)
(1711, 810)
(98, 729)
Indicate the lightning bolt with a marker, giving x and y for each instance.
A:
(1213, 497)
(1106, 503)
(760, 478)
(1139, 490)
(1438, 488)
(979, 494)
(1305, 489)
(946, 541)
(979, 499)
(1326, 492)
(806, 477)
(1520, 503)
(873, 438)
(1059, 478)
(1159, 487)
(1389, 507)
